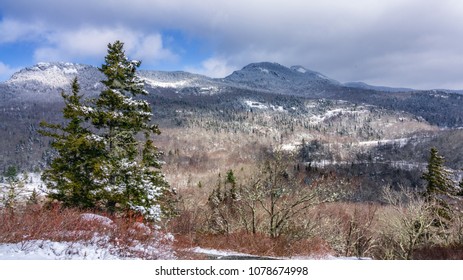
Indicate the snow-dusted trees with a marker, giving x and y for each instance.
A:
(131, 169)
(73, 176)
(106, 165)
(9, 196)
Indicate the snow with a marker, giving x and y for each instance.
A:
(33, 182)
(47, 74)
(49, 250)
(90, 217)
(401, 142)
(301, 70)
(264, 70)
(259, 105)
(289, 147)
(215, 252)
(227, 253)
(172, 84)
(333, 112)
(99, 247)
(255, 104)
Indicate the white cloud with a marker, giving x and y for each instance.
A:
(344, 39)
(12, 30)
(90, 42)
(213, 67)
(150, 49)
(6, 71)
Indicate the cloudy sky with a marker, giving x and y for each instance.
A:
(406, 43)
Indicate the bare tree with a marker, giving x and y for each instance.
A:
(278, 193)
(410, 225)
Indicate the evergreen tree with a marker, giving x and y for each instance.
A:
(439, 188)
(101, 161)
(133, 181)
(9, 197)
(73, 175)
(438, 182)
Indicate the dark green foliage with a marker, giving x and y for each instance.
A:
(10, 194)
(11, 173)
(439, 188)
(101, 161)
(72, 177)
(133, 179)
(437, 178)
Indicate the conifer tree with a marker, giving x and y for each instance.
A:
(133, 181)
(438, 189)
(438, 182)
(9, 197)
(72, 177)
(101, 162)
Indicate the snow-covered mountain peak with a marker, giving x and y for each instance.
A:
(55, 75)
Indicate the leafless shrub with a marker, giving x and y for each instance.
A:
(409, 224)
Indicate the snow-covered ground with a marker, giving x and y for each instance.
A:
(259, 105)
(401, 142)
(99, 247)
(227, 254)
(32, 182)
(96, 249)
(49, 250)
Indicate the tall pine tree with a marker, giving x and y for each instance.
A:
(439, 188)
(101, 162)
(133, 181)
(438, 181)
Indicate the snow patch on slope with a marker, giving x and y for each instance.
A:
(173, 84)
(259, 105)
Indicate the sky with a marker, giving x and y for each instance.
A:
(400, 43)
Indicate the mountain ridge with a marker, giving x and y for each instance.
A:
(46, 77)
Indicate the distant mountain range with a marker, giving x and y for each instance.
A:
(43, 83)
(33, 94)
(264, 76)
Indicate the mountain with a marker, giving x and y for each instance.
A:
(275, 77)
(52, 78)
(46, 77)
(377, 88)
(182, 81)
(45, 81)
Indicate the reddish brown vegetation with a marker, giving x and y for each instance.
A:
(124, 236)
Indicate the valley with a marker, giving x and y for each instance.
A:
(352, 141)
